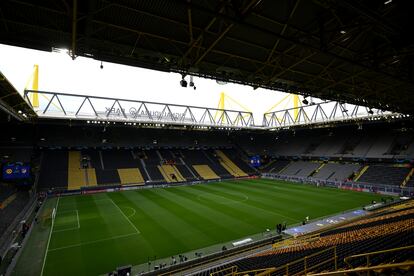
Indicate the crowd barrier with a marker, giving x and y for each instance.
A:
(347, 185)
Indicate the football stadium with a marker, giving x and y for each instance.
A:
(222, 137)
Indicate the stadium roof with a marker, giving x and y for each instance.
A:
(355, 51)
(12, 103)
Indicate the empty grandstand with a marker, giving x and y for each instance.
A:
(102, 184)
(362, 244)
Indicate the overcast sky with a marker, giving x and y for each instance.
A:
(59, 73)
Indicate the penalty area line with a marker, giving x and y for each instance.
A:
(50, 235)
(71, 228)
(92, 242)
(77, 217)
(130, 222)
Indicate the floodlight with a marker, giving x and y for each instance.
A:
(183, 83)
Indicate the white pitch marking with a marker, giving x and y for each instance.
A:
(133, 225)
(48, 241)
(227, 200)
(92, 242)
(77, 217)
(133, 214)
(68, 229)
(72, 228)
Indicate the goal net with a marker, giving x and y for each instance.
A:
(47, 217)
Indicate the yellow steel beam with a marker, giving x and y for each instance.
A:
(276, 104)
(295, 105)
(237, 103)
(34, 81)
(220, 106)
(35, 85)
(364, 269)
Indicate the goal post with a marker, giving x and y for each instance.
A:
(47, 218)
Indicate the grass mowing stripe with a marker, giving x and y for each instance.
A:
(71, 228)
(92, 242)
(133, 225)
(251, 203)
(238, 214)
(302, 188)
(176, 220)
(312, 195)
(262, 203)
(205, 214)
(328, 203)
(268, 192)
(194, 223)
(155, 230)
(179, 226)
(77, 217)
(208, 213)
(50, 236)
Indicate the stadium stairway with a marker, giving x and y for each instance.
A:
(382, 174)
(318, 169)
(205, 172)
(408, 178)
(215, 165)
(90, 177)
(78, 177)
(282, 169)
(7, 201)
(144, 167)
(317, 253)
(191, 171)
(300, 168)
(168, 170)
(229, 165)
(131, 176)
(361, 172)
(269, 166)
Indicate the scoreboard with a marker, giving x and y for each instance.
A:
(13, 171)
(255, 161)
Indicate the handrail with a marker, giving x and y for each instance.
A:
(236, 252)
(72, 106)
(362, 269)
(231, 269)
(268, 271)
(304, 259)
(260, 271)
(368, 254)
(296, 241)
(407, 178)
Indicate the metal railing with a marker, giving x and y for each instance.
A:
(97, 109)
(225, 271)
(324, 112)
(261, 272)
(368, 267)
(351, 185)
(93, 108)
(364, 269)
(287, 267)
(368, 256)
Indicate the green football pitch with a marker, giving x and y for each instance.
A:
(93, 234)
